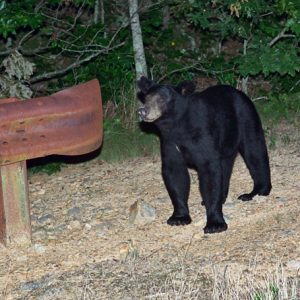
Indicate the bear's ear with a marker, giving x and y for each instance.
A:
(185, 88)
(163, 94)
(144, 84)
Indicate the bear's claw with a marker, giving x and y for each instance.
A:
(214, 228)
(177, 221)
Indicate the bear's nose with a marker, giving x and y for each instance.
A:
(142, 111)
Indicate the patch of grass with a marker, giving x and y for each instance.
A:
(123, 137)
(120, 143)
(254, 284)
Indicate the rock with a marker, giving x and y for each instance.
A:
(60, 228)
(102, 228)
(74, 225)
(287, 232)
(39, 248)
(87, 227)
(41, 192)
(30, 286)
(22, 258)
(229, 204)
(293, 264)
(280, 199)
(74, 213)
(141, 213)
(227, 218)
(40, 234)
(46, 219)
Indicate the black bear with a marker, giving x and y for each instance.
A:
(205, 131)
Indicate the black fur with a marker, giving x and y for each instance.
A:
(205, 131)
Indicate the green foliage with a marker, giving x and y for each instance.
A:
(49, 169)
(16, 15)
(268, 32)
(266, 60)
(283, 106)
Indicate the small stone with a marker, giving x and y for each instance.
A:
(39, 248)
(30, 286)
(288, 232)
(74, 213)
(87, 226)
(41, 192)
(103, 226)
(21, 258)
(40, 234)
(60, 228)
(46, 219)
(293, 264)
(198, 236)
(259, 198)
(229, 204)
(74, 225)
(226, 218)
(280, 199)
(141, 213)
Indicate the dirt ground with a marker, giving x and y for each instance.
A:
(84, 248)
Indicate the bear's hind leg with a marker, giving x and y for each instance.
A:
(256, 158)
(177, 181)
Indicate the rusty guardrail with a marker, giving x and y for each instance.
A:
(66, 123)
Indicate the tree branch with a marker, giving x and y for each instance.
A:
(195, 67)
(76, 64)
(280, 36)
(176, 71)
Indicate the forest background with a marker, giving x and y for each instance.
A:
(254, 45)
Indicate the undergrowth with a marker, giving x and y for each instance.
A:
(120, 143)
(123, 137)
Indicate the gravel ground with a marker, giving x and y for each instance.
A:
(84, 247)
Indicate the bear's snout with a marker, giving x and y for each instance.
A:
(142, 111)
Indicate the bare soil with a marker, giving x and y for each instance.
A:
(84, 248)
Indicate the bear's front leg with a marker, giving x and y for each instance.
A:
(177, 181)
(210, 177)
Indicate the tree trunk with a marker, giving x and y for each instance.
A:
(138, 47)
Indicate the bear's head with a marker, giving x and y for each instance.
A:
(159, 100)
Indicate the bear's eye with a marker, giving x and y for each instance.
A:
(141, 96)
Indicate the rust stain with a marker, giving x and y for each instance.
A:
(65, 123)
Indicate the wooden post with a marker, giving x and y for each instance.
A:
(14, 205)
